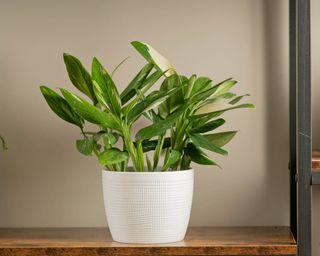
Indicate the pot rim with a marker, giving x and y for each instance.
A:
(158, 172)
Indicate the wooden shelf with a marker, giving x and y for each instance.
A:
(316, 160)
(203, 241)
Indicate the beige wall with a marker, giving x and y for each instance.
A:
(45, 182)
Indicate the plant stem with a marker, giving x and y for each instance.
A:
(180, 135)
(140, 156)
(157, 151)
(130, 148)
(179, 141)
(166, 155)
(149, 166)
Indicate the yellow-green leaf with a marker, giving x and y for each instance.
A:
(112, 156)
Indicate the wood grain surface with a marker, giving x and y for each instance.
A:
(316, 160)
(97, 242)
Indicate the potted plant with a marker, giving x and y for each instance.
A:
(150, 201)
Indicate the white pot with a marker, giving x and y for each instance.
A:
(148, 207)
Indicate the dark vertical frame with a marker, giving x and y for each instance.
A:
(292, 115)
(303, 136)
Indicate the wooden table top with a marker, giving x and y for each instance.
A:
(316, 160)
(97, 241)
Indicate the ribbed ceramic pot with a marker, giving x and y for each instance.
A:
(148, 207)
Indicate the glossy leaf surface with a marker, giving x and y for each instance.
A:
(202, 142)
(60, 106)
(79, 76)
(90, 112)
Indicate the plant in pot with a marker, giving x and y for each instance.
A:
(147, 176)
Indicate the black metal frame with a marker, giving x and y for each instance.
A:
(301, 176)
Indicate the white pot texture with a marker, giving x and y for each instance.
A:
(148, 207)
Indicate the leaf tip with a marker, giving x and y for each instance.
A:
(42, 88)
(135, 43)
(63, 91)
(67, 56)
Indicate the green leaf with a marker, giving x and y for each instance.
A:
(119, 65)
(224, 87)
(228, 95)
(203, 94)
(185, 162)
(136, 83)
(150, 81)
(79, 76)
(172, 103)
(110, 138)
(151, 101)
(208, 126)
(197, 155)
(61, 107)
(3, 142)
(149, 145)
(203, 142)
(174, 157)
(96, 136)
(96, 146)
(101, 96)
(205, 117)
(112, 156)
(105, 87)
(183, 80)
(89, 112)
(191, 82)
(152, 116)
(211, 93)
(85, 146)
(152, 56)
(201, 84)
(237, 99)
(220, 139)
(159, 127)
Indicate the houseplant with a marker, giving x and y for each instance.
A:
(149, 202)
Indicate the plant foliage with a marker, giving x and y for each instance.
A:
(180, 129)
(3, 143)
